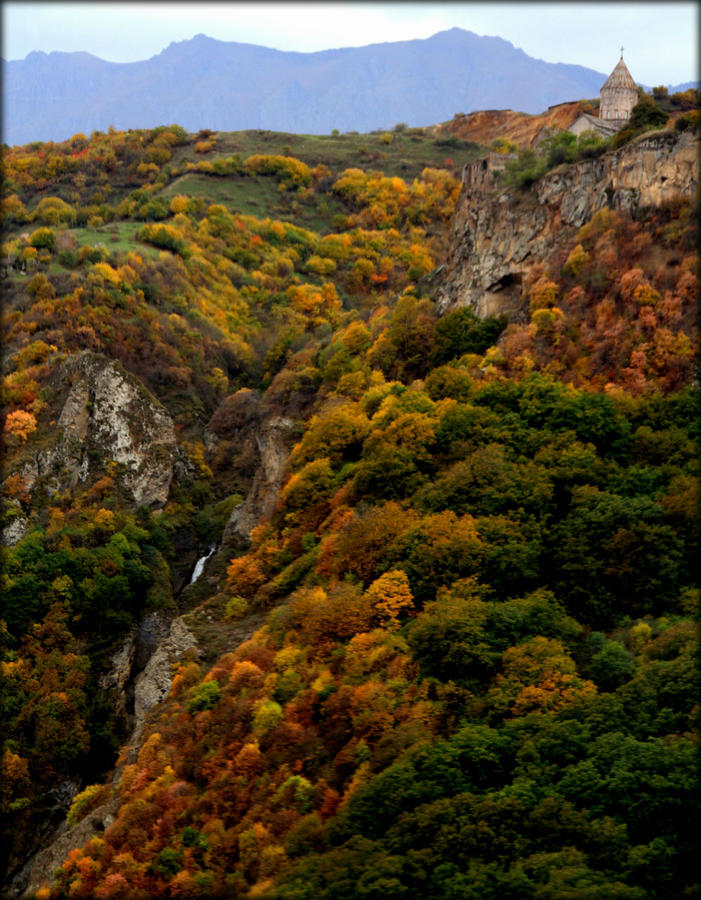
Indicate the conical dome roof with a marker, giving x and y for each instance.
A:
(620, 78)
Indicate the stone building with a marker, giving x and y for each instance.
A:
(618, 96)
(479, 174)
(587, 122)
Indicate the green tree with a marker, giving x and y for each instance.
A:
(646, 114)
(461, 331)
(43, 237)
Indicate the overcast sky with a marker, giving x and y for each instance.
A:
(659, 38)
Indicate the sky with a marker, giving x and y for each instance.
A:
(659, 38)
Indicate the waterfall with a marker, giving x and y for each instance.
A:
(199, 565)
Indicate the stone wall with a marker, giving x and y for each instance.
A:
(617, 103)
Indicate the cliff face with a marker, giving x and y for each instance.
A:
(274, 439)
(109, 411)
(106, 415)
(255, 438)
(499, 234)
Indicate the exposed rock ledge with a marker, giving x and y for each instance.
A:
(274, 440)
(141, 669)
(153, 683)
(499, 234)
(108, 415)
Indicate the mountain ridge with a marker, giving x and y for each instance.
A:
(51, 96)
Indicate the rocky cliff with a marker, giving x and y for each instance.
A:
(252, 439)
(104, 415)
(141, 669)
(274, 439)
(499, 234)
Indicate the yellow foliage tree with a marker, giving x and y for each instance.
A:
(543, 294)
(179, 203)
(330, 434)
(310, 485)
(577, 258)
(245, 575)
(538, 675)
(325, 618)
(390, 595)
(20, 424)
(105, 520)
(317, 303)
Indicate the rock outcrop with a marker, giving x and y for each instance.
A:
(154, 681)
(107, 415)
(499, 234)
(141, 669)
(274, 439)
(14, 531)
(117, 677)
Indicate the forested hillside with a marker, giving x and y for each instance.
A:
(456, 654)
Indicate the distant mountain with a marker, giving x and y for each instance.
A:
(230, 86)
(685, 86)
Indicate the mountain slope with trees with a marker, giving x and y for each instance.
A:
(458, 656)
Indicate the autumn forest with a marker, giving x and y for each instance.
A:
(455, 655)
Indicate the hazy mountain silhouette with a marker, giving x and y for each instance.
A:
(229, 86)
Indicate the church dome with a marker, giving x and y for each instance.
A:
(620, 78)
(619, 94)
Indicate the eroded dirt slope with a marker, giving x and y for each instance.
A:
(524, 129)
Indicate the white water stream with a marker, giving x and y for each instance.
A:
(199, 565)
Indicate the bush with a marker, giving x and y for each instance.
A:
(646, 114)
(503, 145)
(690, 120)
(686, 99)
(230, 165)
(622, 137)
(169, 862)
(524, 171)
(236, 607)
(155, 210)
(54, 211)
(287, 169)
(85, 801)
(561, 147)
(43, 237)
(461, 331)
(162, 236)
(205, 696)
(68, 258)
(590, 144)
